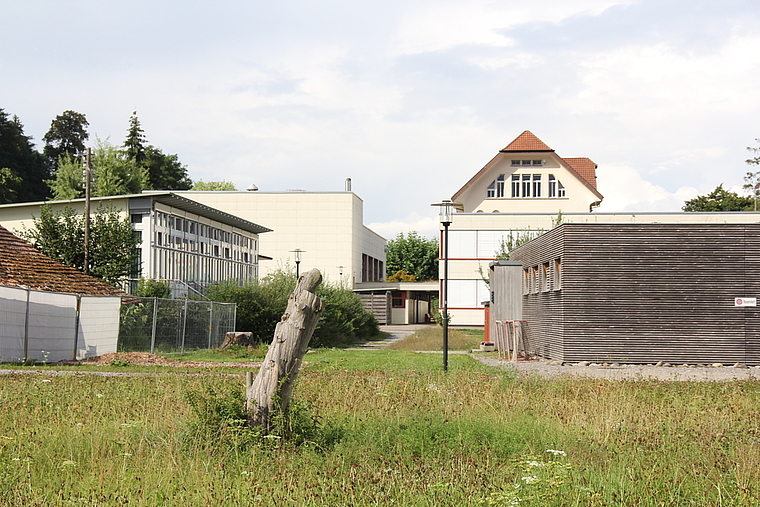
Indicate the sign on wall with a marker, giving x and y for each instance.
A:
(745, 301)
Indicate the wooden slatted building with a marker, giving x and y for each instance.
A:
(643, 293)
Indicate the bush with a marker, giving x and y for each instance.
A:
(260, 306)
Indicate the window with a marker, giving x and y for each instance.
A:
(557, 274)
(545, 278)
(526, 185)
(536, 185)
(524, 163)
(496, 188)
(398, 298)
(515, 185)
(556, 189)
(136, 218)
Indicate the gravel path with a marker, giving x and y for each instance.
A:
(626, 371)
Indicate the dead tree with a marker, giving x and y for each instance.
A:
(270, 393)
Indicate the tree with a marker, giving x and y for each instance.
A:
(414, 254)
(719, 199)
(69, 179)
(60, 235)
(223, 185)
(113, 173)
(752, 178)
(165, 172)
(67, 134)
(134, 144)
(27, 169)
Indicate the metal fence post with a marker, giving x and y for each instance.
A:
(26, 326)
(153, 326)
(184, 326)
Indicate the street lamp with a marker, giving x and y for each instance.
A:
(446, 209)
(297, 253)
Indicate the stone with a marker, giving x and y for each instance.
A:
(717, 365)
(740, 365)
(583, 363)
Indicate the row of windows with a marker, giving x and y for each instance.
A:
(179, 243)
(176, 265)
(543, 277)
(179, 224)
(373, 270)
(526, 185)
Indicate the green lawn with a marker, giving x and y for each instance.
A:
(378, 428)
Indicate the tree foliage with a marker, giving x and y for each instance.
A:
(413, 254)
(719, 199)
(60, 235)
(22, 169)
(163, 172)
(752, 178)
(260, 306)
(219, 186)
(67, 134)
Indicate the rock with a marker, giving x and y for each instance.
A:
(659, 363)
(666, 365)
(615, 365)
(583, 363)
(740, 365)
(717, 365)
(554, 362)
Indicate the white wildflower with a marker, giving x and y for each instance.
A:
(556, 452)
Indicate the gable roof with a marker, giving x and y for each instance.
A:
(527, 142)
(22, 264)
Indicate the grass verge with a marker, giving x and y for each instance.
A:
(380, 428)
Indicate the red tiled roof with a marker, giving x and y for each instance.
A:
(527, 141)
(585, 167)
(22, 264)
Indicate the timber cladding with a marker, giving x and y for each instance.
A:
(643, 293)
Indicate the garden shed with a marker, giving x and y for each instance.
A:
(643, 293)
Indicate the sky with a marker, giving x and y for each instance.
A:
(407, 98)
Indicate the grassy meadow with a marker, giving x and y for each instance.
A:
(377, 428)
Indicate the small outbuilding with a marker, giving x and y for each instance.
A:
(643, 293)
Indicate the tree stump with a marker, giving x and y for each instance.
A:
(272, 389)
(244, 339)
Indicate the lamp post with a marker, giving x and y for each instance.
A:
(446, 208)
(297, 253)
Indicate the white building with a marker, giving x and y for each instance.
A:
(526, 189)
(182, 240)
(327, 229)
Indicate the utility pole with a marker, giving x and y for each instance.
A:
(87, 178)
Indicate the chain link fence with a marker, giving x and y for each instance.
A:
(173, 325)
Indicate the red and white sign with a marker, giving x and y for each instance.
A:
(745, 301)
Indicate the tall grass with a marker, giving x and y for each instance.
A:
(392, 430)
(431, 338)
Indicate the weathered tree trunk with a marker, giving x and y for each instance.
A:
(273, 387)
(244, 339)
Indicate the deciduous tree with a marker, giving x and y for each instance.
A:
(60, 235)
(67, 134)
(719, 199)
(214, 185)
(414, 254)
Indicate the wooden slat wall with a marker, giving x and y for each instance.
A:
(643, 293)
(379, 304)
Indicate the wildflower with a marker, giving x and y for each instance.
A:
(98, 395)
(68, 464)
(530, 479)
(556, 452)
(535, 463)
(46, 380)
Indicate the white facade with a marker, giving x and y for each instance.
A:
(327, 227)
(181, 240)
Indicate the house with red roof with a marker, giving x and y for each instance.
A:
(528, 176)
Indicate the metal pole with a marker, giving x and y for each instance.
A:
(153, 326)
(445, 296)
(87, 212)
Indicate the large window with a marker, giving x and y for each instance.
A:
(556, 189)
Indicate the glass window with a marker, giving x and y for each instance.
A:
(515, 185)
(536, 185)
(526, 185)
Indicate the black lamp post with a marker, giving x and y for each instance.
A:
(297, 253)
(446, 209)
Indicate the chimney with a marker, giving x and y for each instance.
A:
(348, 184)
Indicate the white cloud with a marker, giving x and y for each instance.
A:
(426, 227)
(625, 190)
(441, 25)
